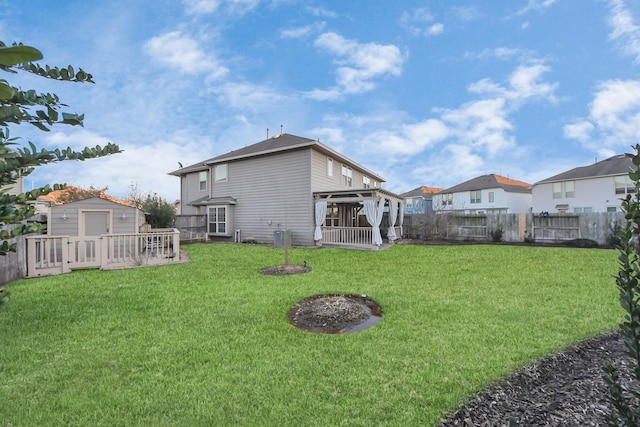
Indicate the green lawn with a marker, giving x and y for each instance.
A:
(208, 343)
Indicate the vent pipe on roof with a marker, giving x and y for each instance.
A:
(281, 126)
(267, 133)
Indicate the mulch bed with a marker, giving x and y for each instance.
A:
(564, 389)
(282, 270)
(333, 313)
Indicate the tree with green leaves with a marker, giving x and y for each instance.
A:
(41, 110)
(159, 212)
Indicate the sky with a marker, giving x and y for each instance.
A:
(430, 92)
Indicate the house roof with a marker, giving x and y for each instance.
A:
(616, 165)
(485, 182)
(275, 144)
(422, 191)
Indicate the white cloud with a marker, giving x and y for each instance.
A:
(580, 130)
(245, 96)
(420, 21)
(624, 30)
(181, 52)
(207, 7)
(482, 125)
(359, 64)
(147, 165)
(321, 11)
(409, 139)
(201, 7)
(302, 32)
(524, 84)
(535, 5)
(614, 118)
(435, 29)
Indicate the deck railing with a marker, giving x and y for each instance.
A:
(47, 255)
(348, 236)
(351, 236)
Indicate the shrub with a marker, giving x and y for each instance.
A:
(4, 297)
(625, 404)
(497, 234)
(581, 243)
(528, 238)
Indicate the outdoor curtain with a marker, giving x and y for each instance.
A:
(393, 214)
(321, 214)
(374, 218)
(401, 218)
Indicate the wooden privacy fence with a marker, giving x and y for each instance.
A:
(192, 227)
(598, 227)
(48, 255)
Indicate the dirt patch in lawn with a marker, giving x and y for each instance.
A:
(282, 270)
(335, 313)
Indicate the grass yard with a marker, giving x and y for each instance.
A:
(208, 343)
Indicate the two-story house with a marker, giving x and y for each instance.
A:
(486, 194)
(290, 183)
(419, 200)
(594, 188)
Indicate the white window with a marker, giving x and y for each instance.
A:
(447, 199)
(569, 189)
(347, 176)
(409, 203)
(202, 177)
(476, 196)
(557, 190)
(612, 209)
(366, 182)
(218, 220)
(220, 172)
(624, 185)
(491, 197)
(329, 167)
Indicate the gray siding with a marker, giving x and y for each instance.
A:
(57, 226)
(321, 181)
(272, 192)
(190, 188)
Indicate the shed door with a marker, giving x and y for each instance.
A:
(96, 223)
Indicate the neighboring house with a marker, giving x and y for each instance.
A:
(419, 200)
(89, 217)
(593, 188)
(486, 194)
(290, 183)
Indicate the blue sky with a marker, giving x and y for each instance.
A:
(421, 92)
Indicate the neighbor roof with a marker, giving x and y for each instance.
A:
(486, 182)
(275, 144)
(57, 197)
(616, 165)
(422, 191)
